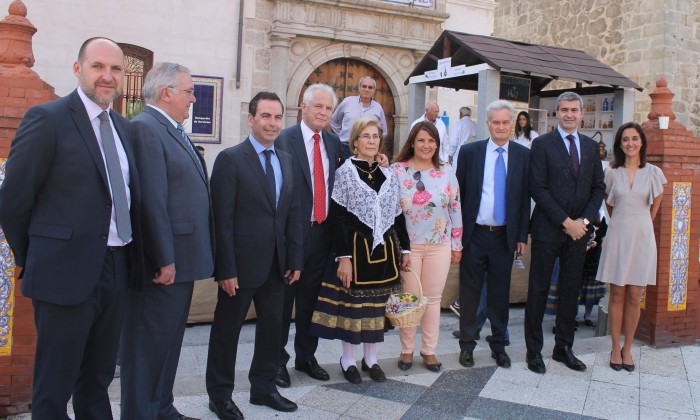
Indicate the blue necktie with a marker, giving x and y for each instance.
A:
(194, 153)
(499, 189)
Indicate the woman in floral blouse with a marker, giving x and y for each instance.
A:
(431, 205)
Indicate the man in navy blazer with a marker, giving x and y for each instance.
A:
(69, 208)
(258, 246)
(495, 214)
(299, 141)
(178, 243)
(566, 182)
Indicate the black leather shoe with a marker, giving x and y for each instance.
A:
(535, 363)
(466, 358)
(375, 372)
(433, 367)
(625, 366)
(615, 366)
(312, 369)
(405, 365)
(225, 410)
(184, 417)
(352, 375)
(282, 378)
(502, 359)
(566, 356)
(455, 334)
(505, 343)
(275, 401)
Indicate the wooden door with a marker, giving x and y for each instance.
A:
(344, 75)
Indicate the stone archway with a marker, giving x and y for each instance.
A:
(383, 63)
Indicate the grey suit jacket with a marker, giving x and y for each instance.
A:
(470, 175)
(249, 229)
(176, 209)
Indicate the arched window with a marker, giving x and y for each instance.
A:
(137, 62)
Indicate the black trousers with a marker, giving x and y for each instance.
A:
(572, 255)
(150, 349)
(223, 341)
(318, 264)
(486, 254)
(76, 348)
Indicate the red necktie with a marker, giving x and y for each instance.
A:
(319, 182)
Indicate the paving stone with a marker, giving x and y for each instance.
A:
(508, 391)
(662, 362)
(329, 399)
(612, 393)
(664, 383)
(668, 401)
(622, 377)
(375, 408)
(609, 409)
(561, 393)
(652, 413)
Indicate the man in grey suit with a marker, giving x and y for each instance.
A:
(178, 244)
(258, 246)
(69, 209)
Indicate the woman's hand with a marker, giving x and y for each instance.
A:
(345, 272)
(405, 262)
(456, 257)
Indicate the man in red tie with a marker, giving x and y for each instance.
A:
(318, 154)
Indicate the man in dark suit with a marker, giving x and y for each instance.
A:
(493, 182)
(566, 182)
(317, 161)
(177, 239)
(69, 208)
(258, 246)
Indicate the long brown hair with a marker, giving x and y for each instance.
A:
(619, 154)
(407, 151)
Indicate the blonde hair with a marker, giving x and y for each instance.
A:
(359, 127)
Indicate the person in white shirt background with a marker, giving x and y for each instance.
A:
(432, 112)
(464, 130)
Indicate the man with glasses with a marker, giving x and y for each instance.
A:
(178, 239)
(495, 222)
(354, 107)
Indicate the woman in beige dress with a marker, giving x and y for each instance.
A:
(633, 190)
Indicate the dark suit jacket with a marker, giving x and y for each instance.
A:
(176, 211)
(248, 227)
(557, 193)
(291, 141)
(470, 175)
(55, 205)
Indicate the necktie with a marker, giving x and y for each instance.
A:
(116, 179)
(319, 182)
(194, 153)
(573, 153)
(499, 189)
(270, 174)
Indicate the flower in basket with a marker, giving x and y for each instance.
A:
(401, 302)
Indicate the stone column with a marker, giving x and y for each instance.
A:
(416, 102)
(279, 64)
(671, 308)
(489, 86)
(20, 89)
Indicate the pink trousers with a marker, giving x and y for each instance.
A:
(431, 262)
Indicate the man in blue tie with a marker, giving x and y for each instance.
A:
(493, 180)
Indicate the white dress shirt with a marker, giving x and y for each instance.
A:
(308, 136)
(485, 215)
(93, 111)
(464, 130)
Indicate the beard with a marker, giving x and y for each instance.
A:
(103, 100)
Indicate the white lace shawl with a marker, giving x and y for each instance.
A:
(375, 210)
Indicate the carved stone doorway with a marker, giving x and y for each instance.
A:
(344, 75)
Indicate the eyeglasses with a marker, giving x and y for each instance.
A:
(370, 87)
(370, 137)
(187, 91)
(419, 185)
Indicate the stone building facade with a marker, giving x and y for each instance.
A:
(642, 39)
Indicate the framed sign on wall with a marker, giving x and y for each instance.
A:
(204, 124)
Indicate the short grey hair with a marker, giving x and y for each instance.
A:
(159, 76)
(570, 96)
(309, 93)
(466, 111)
(374, 82)
(430, 105)
(499, 105)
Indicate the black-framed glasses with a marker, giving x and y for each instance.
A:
(419, 185)
(187, 91)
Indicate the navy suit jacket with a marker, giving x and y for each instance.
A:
(470, 175)
(55, 204)
(291, 141)
(558, 194)
(176, 210)
(249, 229)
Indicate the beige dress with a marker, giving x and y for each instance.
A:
(629, 251)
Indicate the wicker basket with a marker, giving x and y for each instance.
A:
(412, 316)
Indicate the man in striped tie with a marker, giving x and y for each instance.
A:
(493, 181)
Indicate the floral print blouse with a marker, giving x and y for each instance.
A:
(433, 215)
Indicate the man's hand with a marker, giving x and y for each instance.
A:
(405, 262)
(229, 286)
(345, 272)
(456, 257)
(575, 228)
(165, 275)
(382, 160)
(520, 248)
(292, 275)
